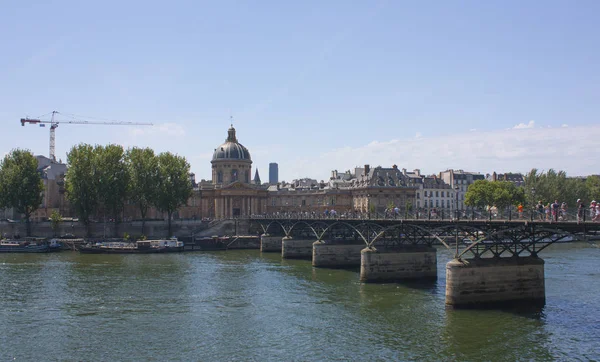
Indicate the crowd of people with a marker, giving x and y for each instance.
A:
(559, 211)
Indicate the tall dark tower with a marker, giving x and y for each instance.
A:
(273, 173)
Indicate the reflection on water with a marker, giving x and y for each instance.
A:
(247, 305)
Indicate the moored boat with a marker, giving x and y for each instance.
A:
(138, 247)
(171, 245)
(29, 245)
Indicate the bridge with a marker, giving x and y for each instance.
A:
(495, 260)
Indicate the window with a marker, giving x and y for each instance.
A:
(220, 177)
(273, 202)
(437, 203)
(234, 175)
(418, 195)
(303, 202)
(442, 193)
(437, 194)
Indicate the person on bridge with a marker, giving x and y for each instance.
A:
(540, 210)
(520, 210)
(580, 210)
(555, 210)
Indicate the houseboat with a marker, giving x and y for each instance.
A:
(29, 245)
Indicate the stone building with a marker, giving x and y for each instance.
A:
(460, 180)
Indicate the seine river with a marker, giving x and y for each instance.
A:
(248, 306)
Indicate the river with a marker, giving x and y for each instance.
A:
(246, 306)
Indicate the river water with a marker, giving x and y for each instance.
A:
(247, 306)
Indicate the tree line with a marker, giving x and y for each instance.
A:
(99, 181)
(538, 186)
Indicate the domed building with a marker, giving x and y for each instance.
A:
(233, 192)
(231, 161)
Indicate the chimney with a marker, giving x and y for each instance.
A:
(417, 172)
(367, 169)
(395, 167)
(404, 171)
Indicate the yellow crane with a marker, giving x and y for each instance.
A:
(53, 122)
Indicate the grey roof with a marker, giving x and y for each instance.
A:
(231, 149)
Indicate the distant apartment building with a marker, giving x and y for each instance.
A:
(459, 181)
(273, 173)
(515, 178)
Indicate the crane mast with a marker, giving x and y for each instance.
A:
(54, 125)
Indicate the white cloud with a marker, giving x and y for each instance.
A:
(517, 150)
(531, 124)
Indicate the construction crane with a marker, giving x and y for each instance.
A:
(54, 125)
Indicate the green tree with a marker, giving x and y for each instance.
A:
(592, 185)
(173, 187)
(479, 194)
(21, 185)
(143, 172)
(112, 180)
(81, 183)
(501, 194)
(55, 220)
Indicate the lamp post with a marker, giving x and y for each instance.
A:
(428, 201)
(456, 188)
(532, 202)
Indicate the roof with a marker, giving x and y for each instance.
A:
(231, 149)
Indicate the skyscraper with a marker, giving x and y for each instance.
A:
(273, 173)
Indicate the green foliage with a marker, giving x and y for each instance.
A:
(552, 185)
(126, 236)
(592, 185)
(143, 171)
(55, 220)
(112, 179)
(498, 193)
(21, 185)
(173, 187)
(81, 182)
(97, 178)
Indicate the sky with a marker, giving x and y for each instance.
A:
(482, 86)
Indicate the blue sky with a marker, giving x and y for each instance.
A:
(313, 85)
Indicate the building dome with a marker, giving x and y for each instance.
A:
(231, 149)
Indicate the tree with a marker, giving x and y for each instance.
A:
(143, 172)
(173, 187)
(81, 183)
(501, 194)
(592, 185)
(55, 220)
(479, 194)
(112, 180)
(21, 185)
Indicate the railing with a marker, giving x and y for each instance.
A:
(509, 214)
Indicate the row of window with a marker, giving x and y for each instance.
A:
(437, 194)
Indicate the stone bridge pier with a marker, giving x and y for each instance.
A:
(487, 281)
(270, 243)
(403, 262)
(296, 248)
(330, 254)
